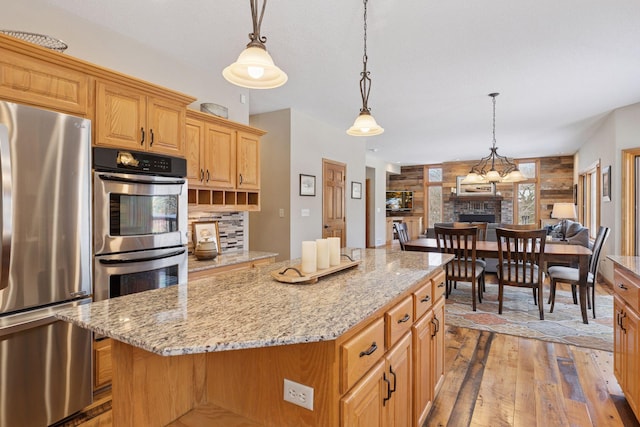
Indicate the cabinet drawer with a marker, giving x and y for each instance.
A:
(102, 363)
(422, 299)
(360, 353)
(438, 284)
(398, 321)
(626, 286)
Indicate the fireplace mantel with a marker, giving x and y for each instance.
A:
(454, 198)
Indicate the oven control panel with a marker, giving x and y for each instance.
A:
(116, 160)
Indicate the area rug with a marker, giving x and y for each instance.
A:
(520, 316)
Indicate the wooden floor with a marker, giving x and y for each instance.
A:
(502, 380)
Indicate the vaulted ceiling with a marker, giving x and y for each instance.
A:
(560, 66)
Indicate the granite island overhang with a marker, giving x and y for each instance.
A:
(246, 310)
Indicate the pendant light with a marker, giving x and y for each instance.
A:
(494, 167)
(365, 124)
(254, 68)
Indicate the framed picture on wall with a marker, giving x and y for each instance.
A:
(482, 189)
(307, 185)
(606, 184)
(356, 190)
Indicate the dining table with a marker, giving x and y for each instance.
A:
(553, 252)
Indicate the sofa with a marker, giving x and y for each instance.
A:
(576, 234)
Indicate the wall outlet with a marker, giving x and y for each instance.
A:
(298, 394)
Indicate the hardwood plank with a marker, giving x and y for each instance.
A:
(550, 408)
(524, 411)
(495, 405)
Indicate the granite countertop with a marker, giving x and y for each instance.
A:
(227, 258)
(631, 263)
(249, 309)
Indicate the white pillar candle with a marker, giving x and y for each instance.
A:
(309, 257)
(334, 251)
(322, 246)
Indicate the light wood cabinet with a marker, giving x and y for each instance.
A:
(231, 267)
(223, 163)
(42, 83)
(102, 363)
(626, 335)
(131, 119)
(414, 226)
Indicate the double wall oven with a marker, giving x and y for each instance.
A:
(140, 222)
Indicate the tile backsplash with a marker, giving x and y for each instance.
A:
(230, 228)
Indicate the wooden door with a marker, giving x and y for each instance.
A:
(437, 346)
(423, 396)
(333, 200)
(248, 162)
(165, 127)
(398, 408)
(362, 406)
(220, 157)
(194, 136)
(120, 117)
(632, 353)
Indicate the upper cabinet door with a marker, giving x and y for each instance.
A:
(165, 124)
(120, 117)
(248, 164)
(220, 157)
(194, 136)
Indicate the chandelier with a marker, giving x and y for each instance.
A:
(255, 68)
(494, 167)
(365, 124)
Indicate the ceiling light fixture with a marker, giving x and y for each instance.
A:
(365, 124)
(494, 167)
(254, 68)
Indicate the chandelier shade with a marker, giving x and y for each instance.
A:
(365, 124)
(494, 167)
(254, 68)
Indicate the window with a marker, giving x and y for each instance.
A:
(433, 193)
(589, 208)
(526, 194)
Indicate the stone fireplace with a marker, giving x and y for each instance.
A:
(478, 208)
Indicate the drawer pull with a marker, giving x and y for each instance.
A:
(426, 299)
(384, 400)
(370, 350)
(395, 380)
(441, 285)
(404, 319)
(622, 286)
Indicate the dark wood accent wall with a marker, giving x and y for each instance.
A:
(555, 183)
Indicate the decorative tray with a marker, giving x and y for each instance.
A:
(295, 275)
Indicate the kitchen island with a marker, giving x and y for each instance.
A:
(217, 351)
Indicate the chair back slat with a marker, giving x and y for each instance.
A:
(481, 227)
(461, 242)
(402, 232)
(520, 255)
(601, 238)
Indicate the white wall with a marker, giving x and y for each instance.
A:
(106, 48)
(620, 130)
(312, 141)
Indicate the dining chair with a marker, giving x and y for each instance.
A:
(571, 275)
(461, 242)
(518, 226)
(402, 232)
(520, 257)
(482, 236)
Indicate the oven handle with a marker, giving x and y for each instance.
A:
(137, 181)
(152, 258)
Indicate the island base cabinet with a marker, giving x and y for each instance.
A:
(627, 353)
(383, 396)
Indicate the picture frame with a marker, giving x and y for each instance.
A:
(482, 189)
(307, 185)
(356, 190)
(203, 229)
(606, 184)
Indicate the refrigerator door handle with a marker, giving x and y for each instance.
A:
(22, 321)
(5, 206)
(19, 327)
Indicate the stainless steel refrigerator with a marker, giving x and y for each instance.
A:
(45, 264)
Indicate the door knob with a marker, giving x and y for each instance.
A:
(326, 226)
